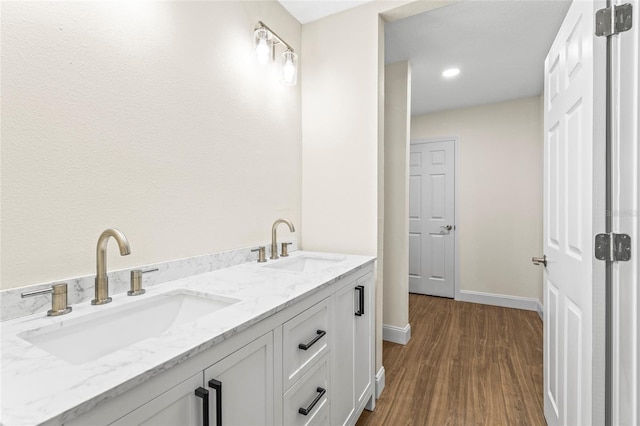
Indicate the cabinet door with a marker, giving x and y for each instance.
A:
(342, 372)
(364, 330)
(246, 385)
(177, 406)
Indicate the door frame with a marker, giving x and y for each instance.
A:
(624, 329)
(456, 175)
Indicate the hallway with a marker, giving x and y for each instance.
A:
(465, 364)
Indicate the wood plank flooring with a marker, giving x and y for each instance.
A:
(466, 364)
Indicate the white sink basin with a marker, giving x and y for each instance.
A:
(305, 263)
(77, 341)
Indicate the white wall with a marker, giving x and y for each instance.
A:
(152, 117)
(499, 192)
(342, 121)
(340, 139)
(340, 134)
(397, 118)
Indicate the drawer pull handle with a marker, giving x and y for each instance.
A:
(320, 334)
(217, 386)
(306, 411)
(360, 290)
(204, 394)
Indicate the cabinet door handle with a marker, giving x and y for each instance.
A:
(217, 386)
(360, 290)
(204, 394)
(305, 346)
(305, 411)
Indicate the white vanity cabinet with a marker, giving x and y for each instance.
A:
(353, 353)
(310, 364)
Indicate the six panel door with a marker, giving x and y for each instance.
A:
(571, 119)
(431, 218)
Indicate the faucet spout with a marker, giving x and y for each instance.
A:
(274, 242)
(102, 281)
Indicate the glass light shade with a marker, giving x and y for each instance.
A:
(264, 46)
(289, 68)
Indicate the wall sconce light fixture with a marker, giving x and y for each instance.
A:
(265, 41)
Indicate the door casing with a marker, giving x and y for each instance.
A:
(625, 286)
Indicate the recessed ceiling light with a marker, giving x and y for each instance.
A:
(451, 72)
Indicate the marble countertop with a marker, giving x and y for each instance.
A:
(39, 388)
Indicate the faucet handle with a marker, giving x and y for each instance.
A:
(262, 256)
(136, 282)
(285, 249)
(58, 299)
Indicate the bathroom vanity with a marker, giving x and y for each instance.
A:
(287, 342)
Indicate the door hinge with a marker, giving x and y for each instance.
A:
(611, 247)
(613, 20)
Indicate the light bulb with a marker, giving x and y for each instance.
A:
(263, 46)
(263, 52)
(289, 68)
(289, 71)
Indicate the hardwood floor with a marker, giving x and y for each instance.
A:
(466, 364)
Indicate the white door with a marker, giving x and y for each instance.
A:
(573, 187)
(246, 378)
(625, 339)
(431, 218)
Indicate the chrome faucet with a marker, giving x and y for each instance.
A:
(274, 242)
(102, 281)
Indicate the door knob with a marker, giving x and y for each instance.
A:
(447, 227)
(540, 260)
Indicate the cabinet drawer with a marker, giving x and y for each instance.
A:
(323, 417)
(310, 393)
(304, 340)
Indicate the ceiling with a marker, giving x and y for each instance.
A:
(306, 11)
(499, 46)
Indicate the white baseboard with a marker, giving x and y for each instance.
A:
(515, 302)
(380, 379)
(394, 334)
(540, 309)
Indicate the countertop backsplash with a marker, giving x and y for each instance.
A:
(81, 289)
